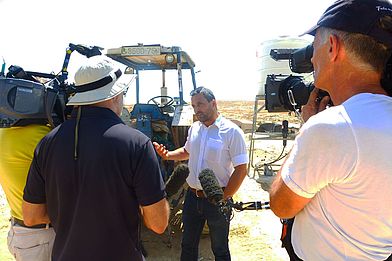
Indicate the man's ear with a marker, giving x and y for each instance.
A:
(334, 47)
(214, 103)
(117, 98)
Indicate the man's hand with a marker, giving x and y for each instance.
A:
(178, 154)
(314, 105)
(161, 150)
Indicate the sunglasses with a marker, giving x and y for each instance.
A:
(206, 92)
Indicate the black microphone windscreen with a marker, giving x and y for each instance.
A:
(285, 131)
(176, 179)
(211, 186)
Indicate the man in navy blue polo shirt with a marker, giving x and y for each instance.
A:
(95, 178)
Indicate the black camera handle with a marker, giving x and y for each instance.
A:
(253, 205)
(225, 207)
(85, 50)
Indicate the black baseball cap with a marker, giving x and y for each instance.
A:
(357, 16)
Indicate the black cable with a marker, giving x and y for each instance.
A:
(285, 133)
(279, 157)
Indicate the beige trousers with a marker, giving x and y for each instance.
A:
(30, 244)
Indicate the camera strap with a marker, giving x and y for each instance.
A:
(386, 79)
(287, 226)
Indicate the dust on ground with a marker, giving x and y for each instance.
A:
(254, 235)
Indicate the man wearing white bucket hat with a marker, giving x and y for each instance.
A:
(93, 177)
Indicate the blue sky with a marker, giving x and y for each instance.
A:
(221, 36)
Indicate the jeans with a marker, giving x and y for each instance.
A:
(195, 212)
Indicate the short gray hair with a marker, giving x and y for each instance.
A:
(365, 52)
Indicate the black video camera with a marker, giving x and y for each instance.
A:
(35, 97)
(25, 100)
(289, 92)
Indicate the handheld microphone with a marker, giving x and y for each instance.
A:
(285, 131)
(176, 179)
(210, 185)
(214, 194)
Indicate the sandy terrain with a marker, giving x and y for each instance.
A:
(254, 235)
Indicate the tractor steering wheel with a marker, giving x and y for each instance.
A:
(169, 101)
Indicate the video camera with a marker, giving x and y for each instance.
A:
(33, 97)
(289, 92)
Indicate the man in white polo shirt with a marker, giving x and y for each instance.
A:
(337, 180)
(218, 144)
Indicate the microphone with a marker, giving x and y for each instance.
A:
(285, 131)
(211, 187)
(214, 194)
(176, 179)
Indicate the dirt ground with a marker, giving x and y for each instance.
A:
(254, 235)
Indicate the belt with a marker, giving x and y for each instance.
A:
(19, 222)
(199, 193)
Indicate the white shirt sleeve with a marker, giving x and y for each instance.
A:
(187, 145)
(324, 153)
(237, 148)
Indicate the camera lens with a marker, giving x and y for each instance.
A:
(294, 92)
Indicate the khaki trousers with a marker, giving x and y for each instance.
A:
(30, 244)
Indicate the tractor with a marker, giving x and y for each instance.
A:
(163, 118)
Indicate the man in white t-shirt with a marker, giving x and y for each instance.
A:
(337, 179)
(213, 143)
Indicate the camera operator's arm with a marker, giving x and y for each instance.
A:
(34, 214)
(178, 154)
(314, 105)
(283, 201)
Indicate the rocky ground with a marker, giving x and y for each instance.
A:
(254, 235)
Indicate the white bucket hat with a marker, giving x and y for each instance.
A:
(99, 80)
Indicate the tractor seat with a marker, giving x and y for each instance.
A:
(151, 109)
